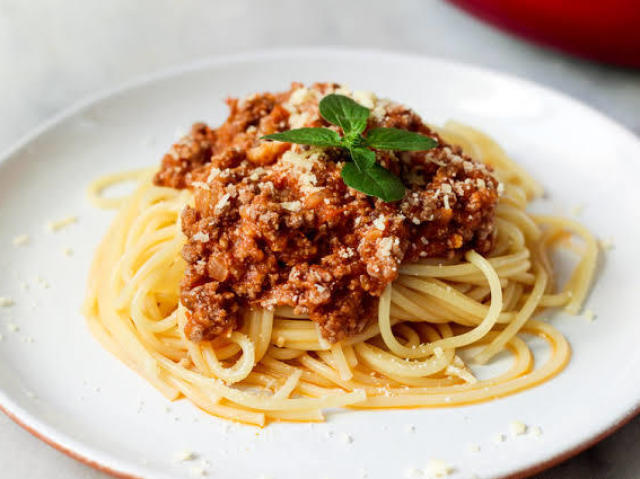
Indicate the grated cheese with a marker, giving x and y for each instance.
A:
(197, 471)
(380, 223)
(299, 120)
(20, 240)
(498, 438)
(5, 302)
(43, 282)
(200, 184)
(412, 472)
(517, 428)
(607, 244)
(291, 205)
(438, 468)
(300, 96)
(222, 203)
(474, 448)
(256, 173)
(302, 163)
(380, 110)
(536, 431)
(384, 247)
(365, 98)
(576, 210)
(343, 89)
(213, 174)
(589, 315)
(347, 438)
(67, 252)
(56, 225)
(183, 456)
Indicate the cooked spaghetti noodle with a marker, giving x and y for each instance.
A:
(277, 366)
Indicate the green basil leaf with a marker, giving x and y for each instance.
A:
(399, 140)
(307, 136)
(344, 112)
(363, 158)
(375, 181)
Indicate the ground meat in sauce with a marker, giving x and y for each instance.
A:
(273, 224)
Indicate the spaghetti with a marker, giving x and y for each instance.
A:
(277, 366)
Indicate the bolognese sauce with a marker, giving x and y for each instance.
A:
(272, 224)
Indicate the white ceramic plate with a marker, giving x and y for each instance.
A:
(58, 382)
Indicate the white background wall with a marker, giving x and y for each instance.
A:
(55, 52)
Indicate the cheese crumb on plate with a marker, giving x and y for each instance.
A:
(437, 468)
(183, 456)
(536, 431)
(56, 225)
(5, 302)
(517, 428)
(20, 240)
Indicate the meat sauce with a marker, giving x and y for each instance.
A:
(273, 224)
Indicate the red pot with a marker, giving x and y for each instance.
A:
(608, 31)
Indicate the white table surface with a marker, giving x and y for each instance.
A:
(55, 52)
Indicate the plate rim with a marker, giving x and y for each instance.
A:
(41, 431)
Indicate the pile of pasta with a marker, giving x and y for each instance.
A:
(278, 367)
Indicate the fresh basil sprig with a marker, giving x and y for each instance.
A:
(363, 173)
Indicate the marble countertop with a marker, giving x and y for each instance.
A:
(55, 52)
